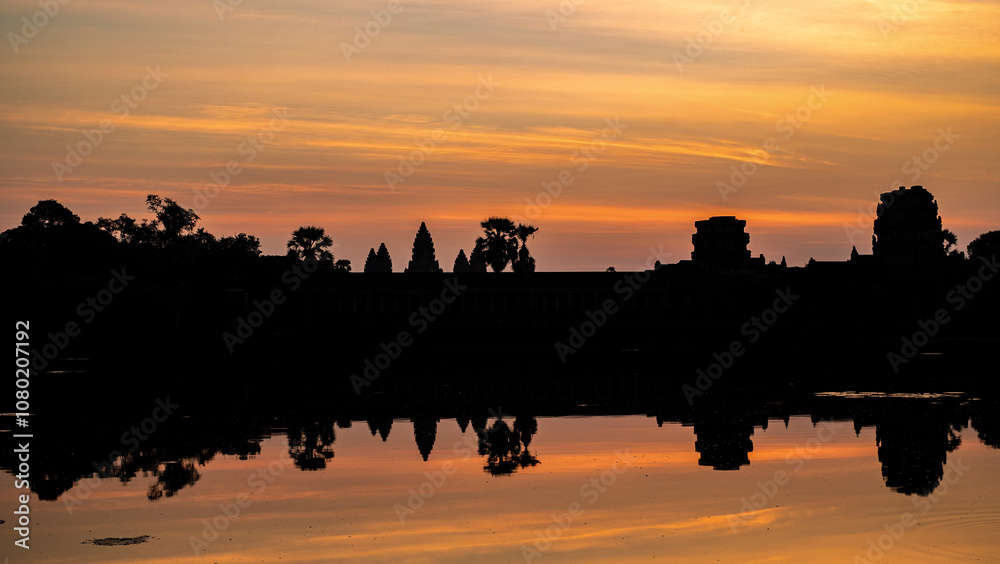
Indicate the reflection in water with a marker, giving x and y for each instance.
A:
(310, 444)
(173, 477)
(425, 431)
(913, 437)
(913, 446)
(502, 446)
(723, 438)
(986, 422)
(380, 424)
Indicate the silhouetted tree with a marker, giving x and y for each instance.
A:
(174, 220)
(49, 229)
(311, 243)
(985, 246)
(525, 262)
(202, 237)
(126, 230)
(499, 244)
(241, 243)
(49, 213)
(170, 224)
(950, 240)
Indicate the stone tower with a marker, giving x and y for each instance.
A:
(721, 244)
(461, 262)
(423, 252)
(908, 231)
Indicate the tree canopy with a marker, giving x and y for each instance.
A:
(504, 243)
(49, 213)
(986, 245)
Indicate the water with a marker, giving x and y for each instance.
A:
(590, 489)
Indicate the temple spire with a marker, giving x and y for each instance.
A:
(423, 252)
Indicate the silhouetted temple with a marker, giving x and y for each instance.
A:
(461, 262)
(423, 252)
(477, 263)
(378, 262)
(721, 244)
(908, 232)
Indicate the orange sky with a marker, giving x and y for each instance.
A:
(893, 80)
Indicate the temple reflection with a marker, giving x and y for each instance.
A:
(913, 435)
(913, 445)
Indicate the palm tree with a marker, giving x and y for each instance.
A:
(499, 245)
(525, 262)
(310, 243)
(949, 239)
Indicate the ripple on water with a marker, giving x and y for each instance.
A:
(967, 536)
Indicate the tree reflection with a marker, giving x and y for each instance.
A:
(174, 476)
(310, 445)
(502, 446)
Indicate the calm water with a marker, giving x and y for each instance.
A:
(586, 489)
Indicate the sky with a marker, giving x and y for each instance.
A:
(611, 126)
